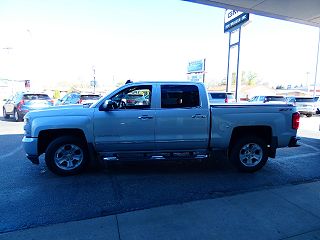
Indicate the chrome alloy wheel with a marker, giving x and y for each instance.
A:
(68, 157)
(251, 154)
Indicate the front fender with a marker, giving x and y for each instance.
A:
(73, 122)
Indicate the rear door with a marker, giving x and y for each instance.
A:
(182, 119)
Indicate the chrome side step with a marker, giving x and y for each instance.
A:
(141, 156)
(201, 156)
(157, 157)
(111, 159)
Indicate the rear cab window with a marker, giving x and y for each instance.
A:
(304, 100)
(90, 97)
(218, 95)
(36, 97)
(275, 98)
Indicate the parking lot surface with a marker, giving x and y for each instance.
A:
(32, 196)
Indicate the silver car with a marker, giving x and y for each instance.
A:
(305, 105)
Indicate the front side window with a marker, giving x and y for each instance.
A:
(179, 96)
(135, 97)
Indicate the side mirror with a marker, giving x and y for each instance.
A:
(108, 105)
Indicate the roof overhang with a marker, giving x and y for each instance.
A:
(304, 12)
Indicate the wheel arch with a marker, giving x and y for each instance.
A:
(263, 132)
(47, 136)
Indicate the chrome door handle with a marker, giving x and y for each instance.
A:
(199, 116)
(144, 117)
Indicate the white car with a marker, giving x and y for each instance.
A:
(273, 99)
(317, 104)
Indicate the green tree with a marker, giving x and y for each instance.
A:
(252, 78)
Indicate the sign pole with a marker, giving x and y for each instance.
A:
(228, 84)
(238, 60)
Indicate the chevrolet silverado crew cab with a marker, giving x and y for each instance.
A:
(167, 121)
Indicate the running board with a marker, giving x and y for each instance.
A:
(152, 156)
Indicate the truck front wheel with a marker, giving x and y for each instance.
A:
(66, 155)
(249, 154)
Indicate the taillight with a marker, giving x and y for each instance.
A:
(226, 100)
(295, 120)
(80, 101)
(20, 104)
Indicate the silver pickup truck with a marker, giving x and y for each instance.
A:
(158, 121)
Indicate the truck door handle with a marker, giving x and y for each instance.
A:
(144, 117)
(199, 116)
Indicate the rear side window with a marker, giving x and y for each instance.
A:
(179, 96)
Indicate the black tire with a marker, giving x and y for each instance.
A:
(16, 116)
(5, 115)
(249, 154)
(309, 115)
(67, 155)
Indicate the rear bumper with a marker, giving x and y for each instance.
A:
(294, 142)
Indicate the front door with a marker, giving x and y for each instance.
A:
(128, 127)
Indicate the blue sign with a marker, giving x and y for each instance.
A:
(196, 66)
(234, 19)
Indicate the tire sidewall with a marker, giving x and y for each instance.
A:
(5, 115)
(16, 116)
(55, 145)
(235, 153)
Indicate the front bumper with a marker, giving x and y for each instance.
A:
(30, 146)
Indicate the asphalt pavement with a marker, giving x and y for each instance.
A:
(285, 209)
(288, 212)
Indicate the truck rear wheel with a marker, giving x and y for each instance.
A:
(249, 154)
(66, 155)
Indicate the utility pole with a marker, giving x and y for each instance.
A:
(316, 72)
(8, 49)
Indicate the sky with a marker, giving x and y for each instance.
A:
(53, 42)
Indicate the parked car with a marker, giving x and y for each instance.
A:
(273, 99)
(305, 105)
(22, 103)
(317, 104)
(221, 97)
(78, 98)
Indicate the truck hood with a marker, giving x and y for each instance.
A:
(70, 110)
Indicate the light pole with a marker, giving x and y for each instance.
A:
(8, 49)
(316, 73)
(94, 79)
